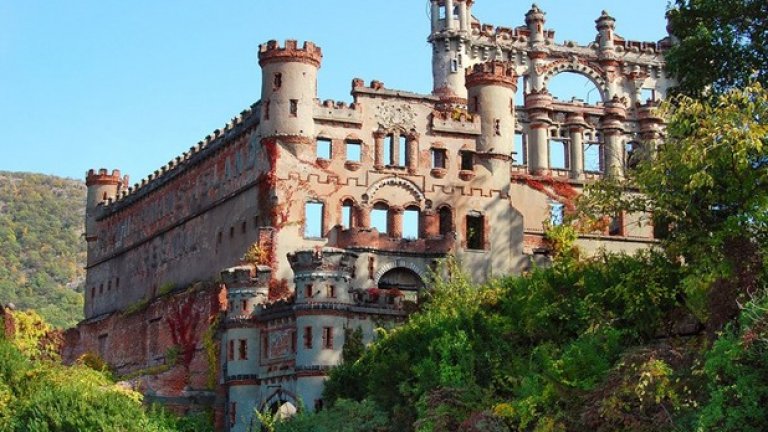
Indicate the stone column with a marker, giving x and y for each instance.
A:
(539, 105)
(395, 216)
(412, 153)
(378, 151)
(612, 126)
(576, 125)
(463, 16)
(449, 14)
(430, 224)
(363, 215)
(435, 16)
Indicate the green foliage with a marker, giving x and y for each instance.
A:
(211, 348)
(43, 395)
(531, 345)
(42, 252)
(722, 44)
(343, 416)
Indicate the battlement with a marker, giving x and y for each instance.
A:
(538, 99)
(272, 52)
(103, 177)
(492, 73)
(330, 110)
(322, 259)
(195, 154)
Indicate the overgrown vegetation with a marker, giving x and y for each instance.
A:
(42, 252)
(39, 394)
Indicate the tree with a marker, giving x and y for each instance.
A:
(723, 44)
(707, 188)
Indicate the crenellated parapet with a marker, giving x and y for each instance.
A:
(104, 177)
(455, 122)
(340, 112)
(496, 73)
(247, 287)
(272, 52)
(322, 260)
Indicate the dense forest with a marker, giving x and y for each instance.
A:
(42, 251)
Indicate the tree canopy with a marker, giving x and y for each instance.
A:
(723, 44)
(42, 252)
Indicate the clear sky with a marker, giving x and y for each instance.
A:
(132, 84)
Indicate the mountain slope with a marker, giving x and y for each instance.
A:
(42, 251)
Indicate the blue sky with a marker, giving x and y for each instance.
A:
(131, 84)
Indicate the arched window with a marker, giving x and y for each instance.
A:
(411, 217)
(445, 216)
(347, 214)
(380, 217)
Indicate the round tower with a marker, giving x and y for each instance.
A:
(451, 29)
(288, 88)
(247, 288)
(322, 278)
(102, 188)
(491, 88)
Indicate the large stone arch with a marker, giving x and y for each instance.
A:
(399, 182)
(592, 72)
(401, 264)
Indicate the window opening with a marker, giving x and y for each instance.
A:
(243, 350)
(647, 94)
(313, 219)
(294, 107)
(330, 291)
(346, 214)
(520, 153)
(388, 147)
(556, 213)
(402, 150)
(439, 157)
(446, 220)
(558, 151)
(379, 218)
(308, 291)
(411, 223)
(593, 154)
(354, 151)
(308, 337)
(266, 110)
(231, 350)
(323, 150)
(475, 234)
(467, 160)
(278, 80)
(328, 337)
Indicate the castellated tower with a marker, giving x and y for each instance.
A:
(450, 37)
(103, 187)
(491, 89)
(288, 88)
(247, 289)
(322, 279)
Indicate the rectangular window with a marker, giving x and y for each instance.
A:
(243, 350)
(556, 213)
(330, 291)
(323, 148)
(308, 291)
(313, 219)
(328, 337)
(308, 337)
(243, 227)
(346, 216)
(389, 145)
(278, 80)
(439, 158)
(294, 107)
(411, 223)
(475, 234)
(592, 157)
(379, 216)
(354, 151)
(231, 350)
(266, 110)
(647, 94)
(467, 161)
(402, 150)
(244, 306)
(558, 153)
(519, 157)
(231, 232)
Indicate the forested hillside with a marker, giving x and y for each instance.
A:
(42, 251)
